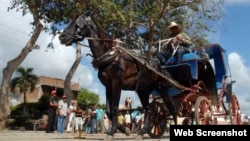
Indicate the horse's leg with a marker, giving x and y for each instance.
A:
(169, 102)
(114, 96)
(144, 98)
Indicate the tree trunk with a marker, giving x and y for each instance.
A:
(67, 89)
(151, 36)
(25, 96)
(8, 71)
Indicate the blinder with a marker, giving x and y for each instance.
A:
(82, 21)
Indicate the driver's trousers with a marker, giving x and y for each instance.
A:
(165, 55)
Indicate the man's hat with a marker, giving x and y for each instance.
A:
(53, 92)
(174, 24)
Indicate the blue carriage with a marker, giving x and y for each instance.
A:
(200, 94)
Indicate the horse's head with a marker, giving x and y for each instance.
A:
(77, 30)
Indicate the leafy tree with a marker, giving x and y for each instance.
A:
(38, 9)
(26, 81)
(126, 19)
(27, 6)
(133, 19)
(87, 99)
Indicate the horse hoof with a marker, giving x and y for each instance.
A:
(108, 138)
(127, 131)
(139, 138)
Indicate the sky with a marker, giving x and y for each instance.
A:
(232, 34)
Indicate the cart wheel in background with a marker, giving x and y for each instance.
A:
(39, 125)
(234, 112)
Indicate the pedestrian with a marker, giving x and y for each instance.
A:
(52, 112)
(93, 120)
(121, 119)
(99, 119)
(62, 114)
(79, 120)
(128, 122)
(179, 39)
(142, 119)
(136, 118)
(224, 82)
(71, 122)
(222, 92)
(87, 123)
(130, 103)
(106, 122)
(126, 103)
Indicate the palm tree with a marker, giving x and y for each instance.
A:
(25, 81)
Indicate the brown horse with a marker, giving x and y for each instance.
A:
(117, 70)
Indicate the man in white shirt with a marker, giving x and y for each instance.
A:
(62, 114)
(128, 122)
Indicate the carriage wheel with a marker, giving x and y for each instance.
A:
(185, 109)
(234, 112)
(203, 111)
(157, 120)
(39, 125)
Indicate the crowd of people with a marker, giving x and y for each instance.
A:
(63, 118)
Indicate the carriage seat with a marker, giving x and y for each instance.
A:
(186, 57)
(191, 59)
(190, 56)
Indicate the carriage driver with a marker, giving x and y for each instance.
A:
(176, 32)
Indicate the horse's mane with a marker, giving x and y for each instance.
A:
(103, 35)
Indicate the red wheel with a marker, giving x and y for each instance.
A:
(185, 109)
(235, 116)
(203, 111)
(157, 120)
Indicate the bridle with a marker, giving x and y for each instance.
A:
(82, 21)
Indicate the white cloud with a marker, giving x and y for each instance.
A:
(241, 74)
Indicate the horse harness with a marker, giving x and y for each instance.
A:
(107, 58)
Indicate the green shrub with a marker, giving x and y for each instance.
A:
(21, 113)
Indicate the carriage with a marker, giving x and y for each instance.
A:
(200, 97)
(188, 93)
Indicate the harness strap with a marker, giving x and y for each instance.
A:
(106, 58)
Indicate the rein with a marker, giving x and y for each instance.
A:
(115, 52)
(89, 38)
